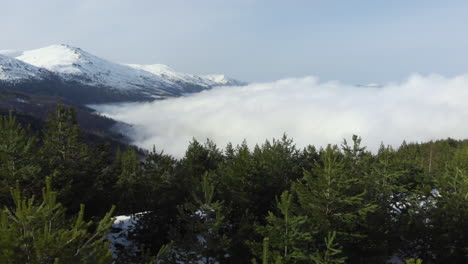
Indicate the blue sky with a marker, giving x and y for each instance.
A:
(351, 41)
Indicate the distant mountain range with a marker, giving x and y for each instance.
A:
(82, 78)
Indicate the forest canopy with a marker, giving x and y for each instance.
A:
(273, 203)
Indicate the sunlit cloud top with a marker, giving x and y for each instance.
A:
(307, 110)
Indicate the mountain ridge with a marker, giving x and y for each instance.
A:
(71, 68)
(15, 70)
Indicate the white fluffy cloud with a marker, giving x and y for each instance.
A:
(310, 112)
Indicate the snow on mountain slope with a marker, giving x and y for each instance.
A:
(170, 74)
(221, 79)
(14, 70)
(82, 77)
(74, 64)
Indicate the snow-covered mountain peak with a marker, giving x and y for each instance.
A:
(222, 79)
(77, 65)
(219, 78)
(68, 67)
(58, 58)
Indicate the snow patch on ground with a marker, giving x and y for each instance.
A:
(121, 228)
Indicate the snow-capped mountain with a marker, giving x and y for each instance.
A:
(178, 78)
(74, 64)
(77, 69)
(13, 70)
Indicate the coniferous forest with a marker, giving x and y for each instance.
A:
(272, 203)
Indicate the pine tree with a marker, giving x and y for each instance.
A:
(105, 169)
(200, 158)
(130, 184)
(61, 135)
(288, 239)
(66, 158)
(448, 217)
(157, 188)
(329, 197)
(266, 253)
(409, 159)
(39, 232)
(203, 234)
(18, 151)
(331, 254)
(239, 183)
(383, 187)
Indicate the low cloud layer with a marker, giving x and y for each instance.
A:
(419, 109)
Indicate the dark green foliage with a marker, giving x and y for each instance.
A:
(130, 185)
(202, 236)
(413, 261)
(66, 158)
(330, 254)
(18, 149)
(39, 232)
(449, 217)
(271, 202)
(199, 159)
(332, 199)
(289, 240)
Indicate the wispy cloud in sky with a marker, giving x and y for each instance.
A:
(307, 110)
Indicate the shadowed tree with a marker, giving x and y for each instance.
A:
(36, 232)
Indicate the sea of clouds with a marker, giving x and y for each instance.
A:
(421, 108)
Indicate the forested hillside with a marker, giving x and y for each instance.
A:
(274, 203)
